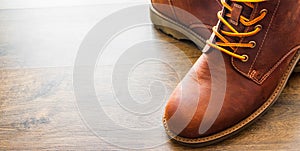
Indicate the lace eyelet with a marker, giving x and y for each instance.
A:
(264, 10)
(258, 26)
(246, 58)
(253, 44)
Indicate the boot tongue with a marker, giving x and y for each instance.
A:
(238, 9)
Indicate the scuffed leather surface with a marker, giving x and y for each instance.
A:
(242, 98)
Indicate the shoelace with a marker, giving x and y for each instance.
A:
(234, 33)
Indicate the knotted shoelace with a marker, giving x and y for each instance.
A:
(234, 33)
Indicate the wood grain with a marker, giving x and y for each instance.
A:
(38, 109)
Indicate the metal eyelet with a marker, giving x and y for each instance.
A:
(258, 26)
(253, 44)
(246, 58)
(264, 10)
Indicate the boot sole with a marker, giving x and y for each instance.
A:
(180, 32)
(174, 29)
(204, 141)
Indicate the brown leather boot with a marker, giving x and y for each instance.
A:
(169, 17)
(175, 18)
(246, 64)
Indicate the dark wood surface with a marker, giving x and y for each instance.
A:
(38, 109)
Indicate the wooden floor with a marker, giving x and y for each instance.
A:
(38, 107)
